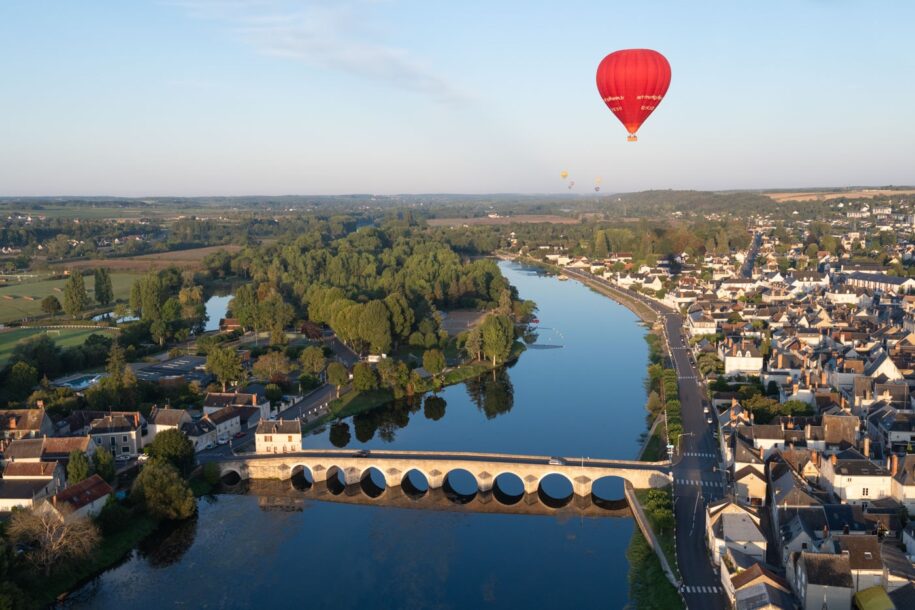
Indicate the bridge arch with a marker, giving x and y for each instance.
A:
(460, 485)
(372, 482)
(507, 488)
(415, 483)
(609, 492)
(336, 479)
(302, 477)
(230, 476)
(555, 489)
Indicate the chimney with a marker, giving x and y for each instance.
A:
(834, 459)
(12, 423)
(254, 400)
(790, 424)
(762, 454)
(867, 446)
(815, 458)
(894, 465)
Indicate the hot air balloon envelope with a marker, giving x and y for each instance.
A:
(632, 83)
(563, 174)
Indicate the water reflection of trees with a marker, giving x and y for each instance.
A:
(168, 544)
(434, 407)
(492, 393)
(385, 421)
(339, 434)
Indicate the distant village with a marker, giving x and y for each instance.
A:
(818, 498)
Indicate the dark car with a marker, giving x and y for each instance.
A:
(238, 435)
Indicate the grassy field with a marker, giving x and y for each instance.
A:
(24, 300)
(183, 259)
(62, 337)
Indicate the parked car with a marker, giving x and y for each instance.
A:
(143, 457)
(708, 420)
(705, 409)
(238, 435)
(222, 440)
(210, 445)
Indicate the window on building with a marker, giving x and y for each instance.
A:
(864, 491)
(290, 438)
(125, 449)
(113, 441)
(124, 439)
(268, 438)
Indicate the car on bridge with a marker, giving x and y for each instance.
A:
(361, 453)
(557, 461)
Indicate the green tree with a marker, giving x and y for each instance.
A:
(225, 363)
(272, 366)
(375, 327)
(22, 378)
(473, 344)
(50, 305)
(434, 362)
(160, 488)
(78, 468)
(364, 377)
(104, 464)
(104, 293)
(174, 447)
(312, 360)
(75, 298)
(337, 375)
(273, 392)
(498, 336)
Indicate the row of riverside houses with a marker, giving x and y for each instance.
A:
(816, 510)
(34, 451)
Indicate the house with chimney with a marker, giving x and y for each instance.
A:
(23, 423)
(855, 479)
(219, 400)
(27, 484)
(821, 580)
(121, 432)
(85, 499)
(278, 436)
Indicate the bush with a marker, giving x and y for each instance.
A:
(114, 517)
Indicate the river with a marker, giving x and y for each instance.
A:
(578, 390)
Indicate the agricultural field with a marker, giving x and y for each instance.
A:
(23, 300)
(183, 259)
(828, 195)
(64, 337)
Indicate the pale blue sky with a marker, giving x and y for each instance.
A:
(196, 97)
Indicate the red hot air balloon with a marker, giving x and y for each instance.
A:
(632, 83)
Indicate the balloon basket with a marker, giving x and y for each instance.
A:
(632, 139)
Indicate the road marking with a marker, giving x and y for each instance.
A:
(700, 483)
(702, 589)
(699, 454)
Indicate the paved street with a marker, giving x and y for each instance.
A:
(696, 479)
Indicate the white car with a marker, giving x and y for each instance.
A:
(143, 457)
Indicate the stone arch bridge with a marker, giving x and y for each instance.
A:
(485, 468)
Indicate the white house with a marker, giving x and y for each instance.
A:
(278, 436)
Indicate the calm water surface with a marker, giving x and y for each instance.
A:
(577, 391)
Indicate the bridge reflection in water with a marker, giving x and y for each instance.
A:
(295, 494)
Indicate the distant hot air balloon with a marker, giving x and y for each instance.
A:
(597, 182)
(632, 83)
(596, 189)
(563, 174)
(571, 184)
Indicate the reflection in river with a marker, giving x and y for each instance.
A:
(287, 495)
(353, 551)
